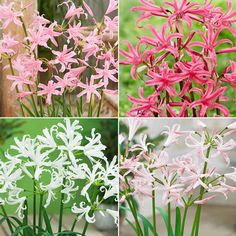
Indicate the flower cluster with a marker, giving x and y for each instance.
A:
(179, 63)
(200, 172)
(60, 161)
(83, 59)
(177, 178)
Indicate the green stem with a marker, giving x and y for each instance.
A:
(202, 190)
(33, 102)
(13, 73)
(7, 219)
(40, 213)
(184, 220)
(100, 104)
(154, 213)
(91, 104)
(61, 210)
(169, 219)
(34, 206)
(85, 228)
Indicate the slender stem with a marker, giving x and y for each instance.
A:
(7, 219)
(169, 219)
(202, 190)
(61, 209)
(100, 104)
(13, 73)
(85, 228)
(33, 102)
(184, 220)
(34, 206)
(154, 212)
(91, 104)
(64, 103)
(40, 213)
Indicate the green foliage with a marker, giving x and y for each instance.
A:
(9, 128)
(129, 31)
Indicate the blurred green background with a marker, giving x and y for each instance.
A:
(129, 31)
(11, 128)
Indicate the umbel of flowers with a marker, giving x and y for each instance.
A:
(187, 180)
(83, 61)
(60, 163)
(179, 62)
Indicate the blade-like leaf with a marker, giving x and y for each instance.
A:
(131, 225)
(47, 222)
(165, 218)
(177, 222)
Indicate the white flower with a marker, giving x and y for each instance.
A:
(232, 126)
(47, 139)
(9, 175)
(83, 210)
(68, 190)
(94, 148)
(232, 175)
(114, 214)
(55, 183)
(15, 199)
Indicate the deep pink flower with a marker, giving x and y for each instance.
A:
(134, 58)
(193, 71)
(144, 106)
(164, 79)
(64, 58)
(208, 100)
(161, 41)
(49, 90)
(231, 77)
(90, 88)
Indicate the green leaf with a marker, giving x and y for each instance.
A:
(68, 232)
(3, 219)
(28, 110)
(22, 228)
(177, 222)
(47, 222)
(165, 218)
(131, 225)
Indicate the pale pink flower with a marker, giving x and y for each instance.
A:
(22, 95)
(8, 45)
(142, 145)
(106, 74)
(51, 33)
(111, 25)
(113, 5)
(49, 90)
(64, 58)
(65, 83)
(134, 125)
(72, 11)
(90, 88)
(9, 15)
(19, 81)
(172, 134)
(75, 32)
(231, 175)
(205, 200)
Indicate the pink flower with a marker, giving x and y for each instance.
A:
(164, 79)
(51, 34)
(49, 90)
(205, 200)
(19, 81)
(90, 88)
(134, 58)
(193, 71)
(75, 72)
(64, 58)
(37, 37)
(9, 15)
(208, 100)
(144, 106)
(23, 95)
(134, 125)
(65, 83)
(231, 175)
(172, 134)
(113, 5)
(231, 77)
(161, 41)
(75, 32)
(8, 45)
(72, 11)
(111, 25)
(106, 74)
